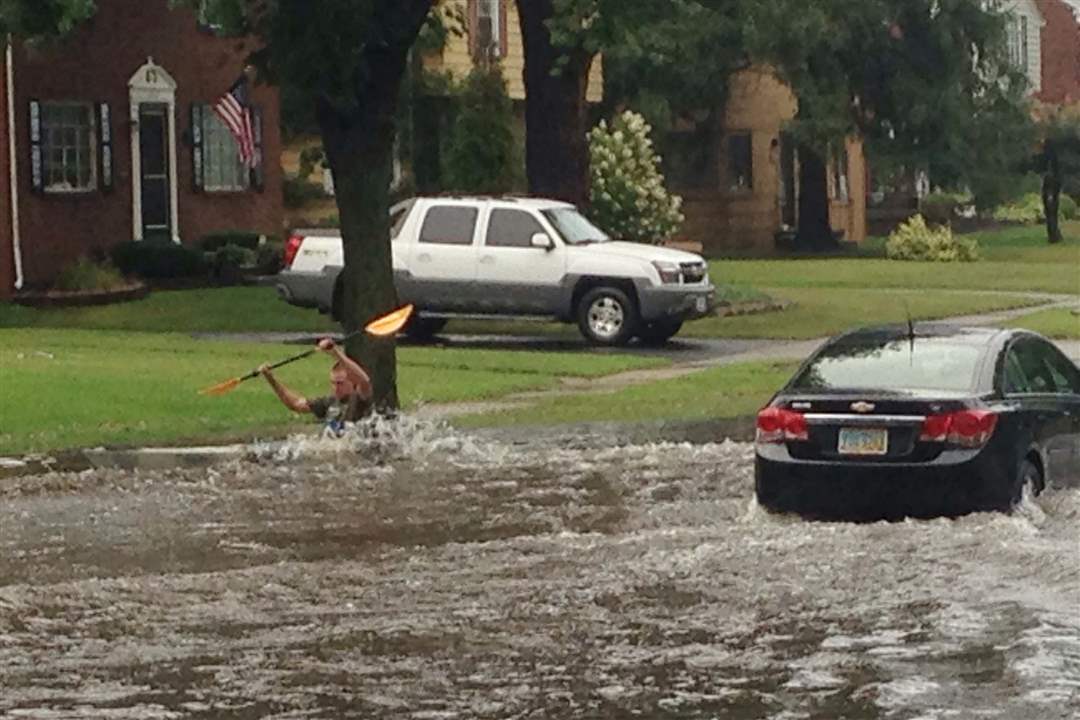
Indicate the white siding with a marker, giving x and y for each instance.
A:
(1027, 9)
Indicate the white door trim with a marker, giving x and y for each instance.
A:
(152, 84)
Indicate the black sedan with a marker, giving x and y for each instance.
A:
(920, 421)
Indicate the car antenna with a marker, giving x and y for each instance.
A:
(910, 330)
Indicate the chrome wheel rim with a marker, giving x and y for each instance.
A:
(606, 317)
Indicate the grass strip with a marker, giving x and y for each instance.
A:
(1062, 324)
(720, 392)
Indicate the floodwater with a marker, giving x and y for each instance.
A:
(430, 576)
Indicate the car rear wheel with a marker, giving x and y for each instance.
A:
(1029, 482)
(659, 332)
(607, 316)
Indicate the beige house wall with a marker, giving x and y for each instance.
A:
(456, 59)
(727, 220)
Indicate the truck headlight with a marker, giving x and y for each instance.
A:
(669, 271)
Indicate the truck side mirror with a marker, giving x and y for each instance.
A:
(541, 240)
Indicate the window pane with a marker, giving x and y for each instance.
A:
(67, 132)
(222, 169)
(449, 226)
(512, 228)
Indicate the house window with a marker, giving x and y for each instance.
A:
(839, 175)
(67, 131)
(1018, 43)
(488, 28)
(222, 170)
(740, 162)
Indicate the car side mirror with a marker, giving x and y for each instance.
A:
(541, 240)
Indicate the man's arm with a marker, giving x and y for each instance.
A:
(357, 374)
(289, 398)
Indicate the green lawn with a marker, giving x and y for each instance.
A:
(77, 388)
(229, 309)
(815, 312)
(1013, 259)
(1062, 324)
(721, 392)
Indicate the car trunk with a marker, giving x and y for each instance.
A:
(867, 429)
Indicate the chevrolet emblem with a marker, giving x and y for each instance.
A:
(862, 407)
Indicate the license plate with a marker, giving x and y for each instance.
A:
(863, 441)
(702, 304)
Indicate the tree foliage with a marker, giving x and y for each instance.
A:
(481, 157)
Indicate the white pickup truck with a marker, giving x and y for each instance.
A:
(512, 258)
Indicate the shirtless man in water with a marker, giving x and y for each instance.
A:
(350, 398)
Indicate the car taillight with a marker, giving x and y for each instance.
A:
(777, 425)
(966, 428)
(292, 246)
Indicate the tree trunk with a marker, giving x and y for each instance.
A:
(1051, 197)
(815, 231)
(359, 147)
(556, 113)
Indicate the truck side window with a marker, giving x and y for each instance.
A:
(512, 228)
(398, 215)
(449, 225)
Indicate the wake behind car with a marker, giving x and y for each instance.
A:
(893, 422)
(514, 257)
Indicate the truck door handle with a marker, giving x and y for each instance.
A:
(424, 257)
(487, 259)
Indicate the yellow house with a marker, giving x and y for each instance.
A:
(491, 29)
(478, 31)
(737, 171)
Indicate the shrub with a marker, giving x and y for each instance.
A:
(939, 208)
(628, 196)
(298, 192)
(84, 275)
(157, 260)
(914, 240)
(244, 238)
(270, 257)
(1068, 209)
(1029, 210)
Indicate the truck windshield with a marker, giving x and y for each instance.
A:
(574, 227)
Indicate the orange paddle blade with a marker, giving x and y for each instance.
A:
(390, 323)
(220, 388)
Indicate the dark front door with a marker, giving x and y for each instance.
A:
(154, 158)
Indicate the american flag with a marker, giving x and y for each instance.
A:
(235, 111)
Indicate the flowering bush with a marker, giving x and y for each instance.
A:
(628, 196)
(914, 240)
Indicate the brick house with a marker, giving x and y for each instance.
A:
(1059, 52)
(738, 171)
(108, 135)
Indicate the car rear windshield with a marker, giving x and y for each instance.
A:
(894, 365)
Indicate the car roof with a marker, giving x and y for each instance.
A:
(960, 334)
(527, 202)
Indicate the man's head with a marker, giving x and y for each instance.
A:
(341, 385)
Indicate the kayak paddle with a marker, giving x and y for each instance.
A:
(384, 326)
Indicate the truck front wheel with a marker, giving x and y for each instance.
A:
(607, 316)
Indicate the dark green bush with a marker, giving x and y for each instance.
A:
(244, 238)
(270, 257)
(937, 208)
(157, 260)
(297, 193)
(85, 274)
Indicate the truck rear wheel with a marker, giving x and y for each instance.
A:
(424, 328)
(607, 316)
(659, 332)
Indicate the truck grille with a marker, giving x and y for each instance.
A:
(692, 272)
